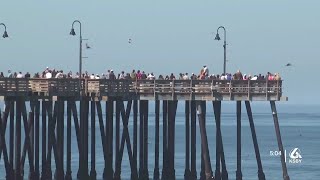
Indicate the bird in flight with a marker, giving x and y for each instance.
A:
(288, 64)
(87, 46)
(129, 40)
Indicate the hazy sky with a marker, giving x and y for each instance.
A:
(168, 36)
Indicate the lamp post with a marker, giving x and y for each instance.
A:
(5, 34)
(224, 47)
(73, 33)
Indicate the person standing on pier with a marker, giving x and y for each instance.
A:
(143, 75)
(206, 70)
(59, 74)
(172, 77)
(20, 75)
(139, 75)
(122, 75)
(48, 75)
(112, 76)
(238, 75)
(151, 76)
(10, 74)
(277, 77)
(193, 76)
(185, 77)
(133, 75)
(108, 74)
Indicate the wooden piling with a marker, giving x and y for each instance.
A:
(172, 109)
(261, 175)
(3, 146)
(193, 141)
(84, 108)
(135, 138)
(125, 114)
(141, 139)
(204, 140)
(156, 174)
(93, 173)
(238, 172)
(68, 175)
(18, 175)
(202, 162)
(59, 174)
(44, 140)
(117, 142)
(164, 175)
(279, 140)
(218, 149)
(145, 139)
(187, 147)
(11, 139)
(51, 137)
(220, 159)
(109, 139)
(103, 137)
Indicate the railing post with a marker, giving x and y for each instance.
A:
(230, 89)
(173, 89)
(277, 88)
(154, 89)
(249, 89)
(191, 88)
(267, 89)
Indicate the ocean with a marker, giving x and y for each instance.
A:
(299, 125)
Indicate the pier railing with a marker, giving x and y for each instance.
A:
(145, 89)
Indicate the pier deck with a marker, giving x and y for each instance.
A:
(206, 90)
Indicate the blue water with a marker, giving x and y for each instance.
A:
(300, 128)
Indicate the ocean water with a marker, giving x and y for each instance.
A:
(299, 124)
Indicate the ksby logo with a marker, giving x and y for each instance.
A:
(295, 156)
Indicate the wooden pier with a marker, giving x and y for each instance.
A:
(35, 101)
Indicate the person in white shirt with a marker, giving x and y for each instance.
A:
(59, 74)
(92, 76)
(76, 75)
(185, 76)
(255, 77)
(108, 74)
(151, 77)
(121, 75)
(48, 75)
(206, 70)
(20, 75)
(97, 76)
(223, 77)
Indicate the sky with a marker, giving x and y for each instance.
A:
(168, 36)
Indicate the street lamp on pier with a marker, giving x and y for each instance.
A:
(73, 33)
(5, 34)
(224, 47)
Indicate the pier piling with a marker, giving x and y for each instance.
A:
(261, 175)
(279, 140)
(238, 172)
(201, 108)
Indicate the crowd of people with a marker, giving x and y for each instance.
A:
(137, 75)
